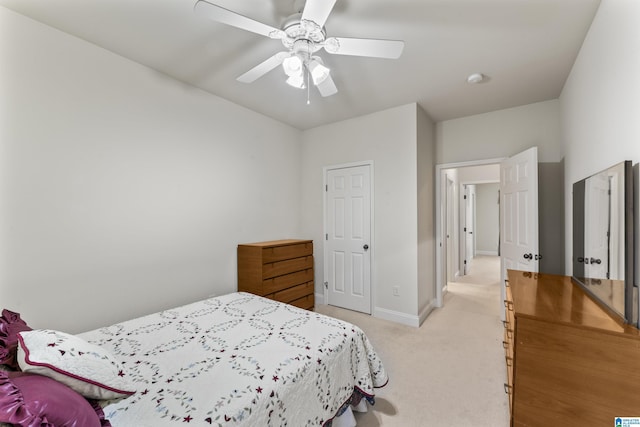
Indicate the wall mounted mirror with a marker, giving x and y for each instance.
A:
(603, 238)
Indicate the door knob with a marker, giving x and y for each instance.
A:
(528, 256)
(365, 247)
(595, 261)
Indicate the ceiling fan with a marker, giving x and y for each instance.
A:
(303, 35)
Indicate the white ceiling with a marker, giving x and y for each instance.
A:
(526, 48)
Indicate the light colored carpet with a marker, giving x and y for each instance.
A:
(451, 370)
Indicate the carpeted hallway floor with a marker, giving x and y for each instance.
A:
(451, 370)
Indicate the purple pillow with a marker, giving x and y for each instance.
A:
(31, 400)
(10, 325)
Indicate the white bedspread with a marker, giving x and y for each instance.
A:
(239, 360)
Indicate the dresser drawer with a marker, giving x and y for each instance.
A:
(279, 283)
(279, 253)
(291, 294)
(304, 302)
(277, 268)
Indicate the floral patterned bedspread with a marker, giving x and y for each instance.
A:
(239, 360)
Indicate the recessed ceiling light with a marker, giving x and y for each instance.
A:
(475, 78)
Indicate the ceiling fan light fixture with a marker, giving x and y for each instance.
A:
(296, 81)
(319, 72)
(292, 66)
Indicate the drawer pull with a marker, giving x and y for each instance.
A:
(506, 283)
(505, 345)
(509, 361)
(505, 323)
(508, 305)
(507, 388)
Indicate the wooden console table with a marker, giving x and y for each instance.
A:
(569, 361)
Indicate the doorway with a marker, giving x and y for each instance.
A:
(454, 256)
(482, 220)
(518, 177)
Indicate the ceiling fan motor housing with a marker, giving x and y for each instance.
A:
(302, 34)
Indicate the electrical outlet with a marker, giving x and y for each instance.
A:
(396, 291)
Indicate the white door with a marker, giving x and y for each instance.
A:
(469, 221)
(597, 219)
(348, 238)
(450, 227)
(519, 213)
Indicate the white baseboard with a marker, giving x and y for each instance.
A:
(491, 253)
(396, 316)
(426, 311)
(392, 315)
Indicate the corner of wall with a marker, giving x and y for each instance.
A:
(425, 158)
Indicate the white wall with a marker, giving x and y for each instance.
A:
(123, 192)
(389, 139)
(501, 133)
(600, 102)
(487, 219)
(426, 145)
(479, 174)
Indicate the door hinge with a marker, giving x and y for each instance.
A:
(465, 197)
(465, 229)
(326, 236)
(326, 285)
(326, 187)
(465, 262)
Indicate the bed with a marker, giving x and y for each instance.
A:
(237, 360)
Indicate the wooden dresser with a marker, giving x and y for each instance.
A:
(281, 270)
(569, 361)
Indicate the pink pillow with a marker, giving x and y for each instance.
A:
(36, 401)
(10, 325)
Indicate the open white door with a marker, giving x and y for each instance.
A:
(348, 236)
(450, 224)
(519, 213)
(597, 199)
(469, 225)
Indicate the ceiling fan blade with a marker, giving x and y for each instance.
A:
(318, 11)
(391, 49)
(263, 68)
(327, 87)
(225, 16)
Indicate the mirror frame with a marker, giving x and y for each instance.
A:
(630, 314)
